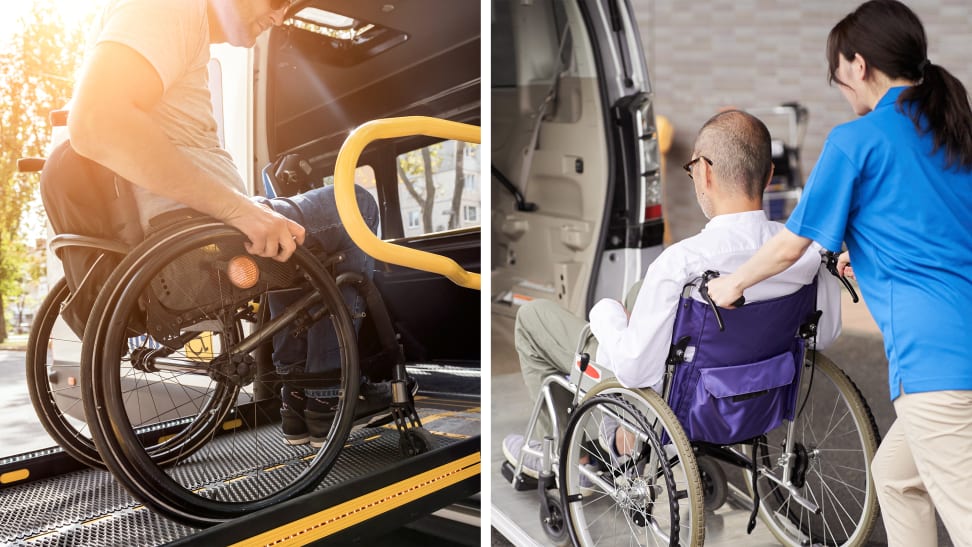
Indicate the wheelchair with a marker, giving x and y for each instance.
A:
(640, 467)
(180, 401)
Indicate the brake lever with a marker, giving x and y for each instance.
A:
(704, 291)
(832, 268)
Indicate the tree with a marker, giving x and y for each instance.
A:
(36, 76)
(421, 163)
(454, 217)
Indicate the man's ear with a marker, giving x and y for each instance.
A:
(770, 177)
(707, 181)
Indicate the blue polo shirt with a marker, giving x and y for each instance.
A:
(907, 222)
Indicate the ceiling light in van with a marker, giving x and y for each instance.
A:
(329, 23)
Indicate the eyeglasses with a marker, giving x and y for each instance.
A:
(688, 166)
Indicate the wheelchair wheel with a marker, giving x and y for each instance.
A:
(53, 353)
(56, 401)
(170, 311)
(552, 520)
(649, 494)
(715, 489)
(834, 441)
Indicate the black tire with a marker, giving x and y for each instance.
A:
(52, 356)
(420, 437)
(250, 449)
(58, 404)
(553, 521)
(652, 497)
(834, 443)
(715, 488)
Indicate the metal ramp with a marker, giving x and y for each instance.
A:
(46, 500)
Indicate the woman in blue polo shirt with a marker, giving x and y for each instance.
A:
(895, 185)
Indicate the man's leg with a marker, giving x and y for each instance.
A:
(938, 429)
(545, 337)
(317, 350)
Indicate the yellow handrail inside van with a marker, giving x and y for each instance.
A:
(347, 206)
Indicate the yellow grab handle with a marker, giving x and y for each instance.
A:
(347, 206)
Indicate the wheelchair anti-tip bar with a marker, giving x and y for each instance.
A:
(347, 161)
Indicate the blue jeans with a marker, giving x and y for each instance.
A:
(316, 349)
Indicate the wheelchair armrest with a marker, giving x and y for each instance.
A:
(62, 241)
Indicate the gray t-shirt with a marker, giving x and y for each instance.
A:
(173, 36)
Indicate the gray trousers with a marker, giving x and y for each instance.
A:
(546, 336)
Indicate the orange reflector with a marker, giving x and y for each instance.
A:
(72, 381)
(242, 271)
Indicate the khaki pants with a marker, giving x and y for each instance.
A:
(546, 338)
(925, 463)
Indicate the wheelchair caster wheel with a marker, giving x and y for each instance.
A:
(415, 441)
(552, 520)
(714, 487)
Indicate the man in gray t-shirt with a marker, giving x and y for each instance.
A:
(142, 109)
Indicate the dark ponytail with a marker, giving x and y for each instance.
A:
(890, 38)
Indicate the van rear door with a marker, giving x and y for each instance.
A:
(573, 134)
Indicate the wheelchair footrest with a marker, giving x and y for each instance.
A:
(520, 483)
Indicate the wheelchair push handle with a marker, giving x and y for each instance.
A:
(831, 259)
(704, 291)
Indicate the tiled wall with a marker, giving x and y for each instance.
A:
(703, 55)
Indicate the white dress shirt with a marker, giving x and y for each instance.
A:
(635, 348)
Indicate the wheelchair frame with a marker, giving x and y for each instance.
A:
(783, 481)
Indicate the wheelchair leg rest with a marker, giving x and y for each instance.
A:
(520, 483)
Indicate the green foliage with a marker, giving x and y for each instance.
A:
(37, 70)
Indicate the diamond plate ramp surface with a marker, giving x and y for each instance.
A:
(90, 508)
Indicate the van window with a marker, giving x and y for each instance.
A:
(438, 188)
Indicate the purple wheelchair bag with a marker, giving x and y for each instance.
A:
(744, 381)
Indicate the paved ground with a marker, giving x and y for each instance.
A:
(20, 431)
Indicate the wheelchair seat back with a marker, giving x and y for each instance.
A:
(82, 197)
(740, 383)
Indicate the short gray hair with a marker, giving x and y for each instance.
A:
(738, 144)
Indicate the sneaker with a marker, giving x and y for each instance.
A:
(376, 398)
(513, 449)
(318, 415)
(292, 416)
(305, 421)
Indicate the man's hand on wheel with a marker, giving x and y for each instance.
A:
(271, 234)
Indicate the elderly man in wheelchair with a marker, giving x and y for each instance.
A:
(640, 464)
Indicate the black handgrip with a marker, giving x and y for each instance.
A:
(704, 291)
(30, 165)
(59, 118)
(831, 258)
